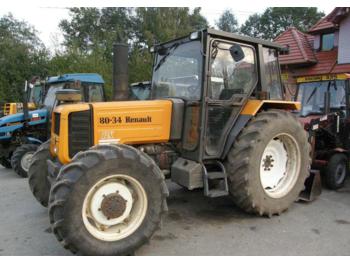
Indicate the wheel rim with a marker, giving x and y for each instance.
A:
(280, 165)
(26, 160)
(114, 208)
(340, 173)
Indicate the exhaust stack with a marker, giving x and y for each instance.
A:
(120, 72)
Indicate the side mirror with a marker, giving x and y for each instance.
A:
(236, 52)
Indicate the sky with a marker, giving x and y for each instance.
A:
(46, 19)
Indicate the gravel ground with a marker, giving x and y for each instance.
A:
(194, 225)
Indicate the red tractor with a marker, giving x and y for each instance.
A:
(325, 114)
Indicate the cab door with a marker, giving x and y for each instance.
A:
(232, 77)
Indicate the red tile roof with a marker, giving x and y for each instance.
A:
(300, 47)
(322, 24)
(327, 64)
(331, 20)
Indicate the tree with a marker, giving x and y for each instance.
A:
(22, 56)
(90, 33)
(156, 25)
(275, 20)
(228, 22)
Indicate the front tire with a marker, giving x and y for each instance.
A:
(336, 171)
(38, 174)
(22, 158)
(107, 201)
(268, 163)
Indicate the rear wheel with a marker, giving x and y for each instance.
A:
(5, 162)
(269, 163)
(336, 171)
(38, 174)
(22, 158)
(107, 201)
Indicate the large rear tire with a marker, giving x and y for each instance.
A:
(38, 174)
(22, 158)
(269, 163)
(107, 201)
(336, 171)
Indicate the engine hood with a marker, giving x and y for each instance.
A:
(19, 117)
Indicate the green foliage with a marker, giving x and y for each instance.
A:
(89, 35)
(228, 22)
(22, 56)
(275, 20)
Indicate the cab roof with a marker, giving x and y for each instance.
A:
(82, 77)
(232, 37)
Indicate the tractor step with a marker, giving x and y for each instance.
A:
(215, 182)
(217, 193)
(216, 175)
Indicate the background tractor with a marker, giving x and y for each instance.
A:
(34, 98)
(216, 120)
(325, 114)
(22, 133)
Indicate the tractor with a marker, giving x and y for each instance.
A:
(217, 121)
(22, 133)
(325, 115)
(34, 99)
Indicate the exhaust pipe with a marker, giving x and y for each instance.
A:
(120, 72)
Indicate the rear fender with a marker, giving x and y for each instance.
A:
(250, 109)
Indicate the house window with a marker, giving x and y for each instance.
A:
(327, 42)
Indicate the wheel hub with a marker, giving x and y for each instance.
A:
(268, 160)
(280, 165)
(113, 205)
(26, 161)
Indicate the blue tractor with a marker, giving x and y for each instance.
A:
(22, 133)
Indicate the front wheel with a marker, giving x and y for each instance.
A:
(336, 171)
(38, 174)
(269, 163)
(107, 201)
(22, 158)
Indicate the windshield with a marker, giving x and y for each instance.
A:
(50, 96)
(36, 94)
(311, 96)
(178, 73)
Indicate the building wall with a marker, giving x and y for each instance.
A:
(344, 41)
(336, 38)
(289, 82)
(317, 42)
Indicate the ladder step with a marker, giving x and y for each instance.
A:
(217, 193)
(216, 175)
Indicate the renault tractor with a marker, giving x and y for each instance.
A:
(23, 132)
(216, 121)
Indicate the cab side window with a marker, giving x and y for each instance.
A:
(229, 77)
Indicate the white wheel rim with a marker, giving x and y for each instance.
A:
(26, 160)
(280, 165)
(131, 214)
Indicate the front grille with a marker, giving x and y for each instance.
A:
(80, 133)
(57, 122)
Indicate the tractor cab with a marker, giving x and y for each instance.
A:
(91, 87)
(322, 97)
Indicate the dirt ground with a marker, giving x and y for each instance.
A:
(194, 225)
